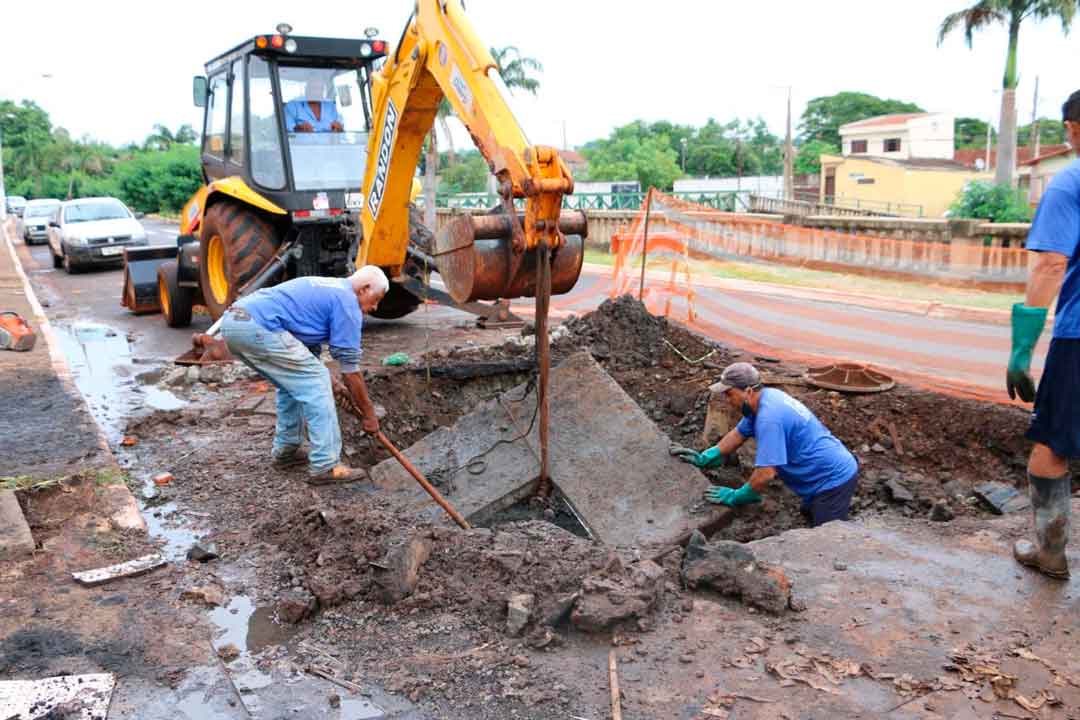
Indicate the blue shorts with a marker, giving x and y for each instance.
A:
(1055, 421)
(831, 504)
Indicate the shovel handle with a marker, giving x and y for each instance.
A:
(411, 469)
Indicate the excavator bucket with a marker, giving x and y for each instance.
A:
(475, 257)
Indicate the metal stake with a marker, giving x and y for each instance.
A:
(543, 354)
(645, 244)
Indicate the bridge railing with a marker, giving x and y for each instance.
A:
(728, 201)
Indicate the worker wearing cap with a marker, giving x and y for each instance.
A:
(279, 333)
(791, 443)
(1054, 240)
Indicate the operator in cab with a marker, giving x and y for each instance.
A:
(279, 332)
(791, 443)
(313, 113)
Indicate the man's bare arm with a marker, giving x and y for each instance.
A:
(1047, 274)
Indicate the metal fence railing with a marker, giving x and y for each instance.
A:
(728, 201)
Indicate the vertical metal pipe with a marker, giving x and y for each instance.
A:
(543, 355)
(645, 244)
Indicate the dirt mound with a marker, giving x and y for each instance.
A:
(621, 330)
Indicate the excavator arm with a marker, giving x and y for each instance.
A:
(440, 56)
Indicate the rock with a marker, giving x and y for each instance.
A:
(209, 595)
(878, 448)
(191, 375)
(1001, 498)
(731, 569)
(335, 700)
(295, 605)
(518, 611)
(203, 552)
(609, 597)
(898, 492)
(399, 570)
(556, 609)
(521, 661)
(175, 376)
(686, 659)
(211, 374)
(541, 638)
(150, 377)
(327, 592)
(864, 448)
(941, 512)
(228, 653)
(164, 478)
(839, 565)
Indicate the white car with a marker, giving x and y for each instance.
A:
(33, 225)
(92, 231)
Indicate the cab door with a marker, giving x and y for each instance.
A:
(215, 125)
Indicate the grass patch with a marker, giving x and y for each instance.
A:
(109, 476)
(24, 482)
(823, 279)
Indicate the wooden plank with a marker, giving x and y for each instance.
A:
(613, 681)
(131, 568)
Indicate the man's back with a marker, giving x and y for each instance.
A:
(315, 310)
(1056, 228)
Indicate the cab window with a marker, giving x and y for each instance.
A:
(236, 116)
(267, 163)
(216, 112)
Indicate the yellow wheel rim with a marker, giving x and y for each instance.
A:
(215, 270)
(163, 296)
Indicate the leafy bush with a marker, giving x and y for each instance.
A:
(157, 181)
(997, 203)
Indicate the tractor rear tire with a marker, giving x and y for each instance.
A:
(176, 301)
(237, 242)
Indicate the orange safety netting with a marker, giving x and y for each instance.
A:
(678, 229)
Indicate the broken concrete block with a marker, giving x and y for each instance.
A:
(131, 568)
(556, 609)
(399, 569)
(56, 698)
(209, 595)
(730, 568)
(295, 605)
(15, 538)
(898, 492)
(518, 611)
(1001, 498)
(609, 599)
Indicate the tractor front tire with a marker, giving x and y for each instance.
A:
(236, 243)
(176, 302)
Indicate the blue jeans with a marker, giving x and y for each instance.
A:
(304, 393)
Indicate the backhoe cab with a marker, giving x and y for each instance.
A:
(284, 147)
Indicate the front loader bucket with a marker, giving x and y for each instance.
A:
(140, 293)
(474, 256)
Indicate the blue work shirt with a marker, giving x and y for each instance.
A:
(315, 310)
(299, 111)
(807, 457)
(1056, 228)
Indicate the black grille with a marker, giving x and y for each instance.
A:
(111, 240)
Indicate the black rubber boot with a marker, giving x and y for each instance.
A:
(1051, 504)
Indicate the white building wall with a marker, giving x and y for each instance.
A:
(926, 137)
(758, 184)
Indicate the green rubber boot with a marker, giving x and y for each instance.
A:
(1051, 502)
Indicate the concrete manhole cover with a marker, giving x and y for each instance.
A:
(849, 377)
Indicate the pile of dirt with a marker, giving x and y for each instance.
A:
(621, 332)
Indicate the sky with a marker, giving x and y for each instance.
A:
(112, 69)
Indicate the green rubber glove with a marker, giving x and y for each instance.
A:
(398, 358)
(729, 496)
(1027, 325)
(710, 458)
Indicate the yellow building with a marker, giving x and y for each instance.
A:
(913, 187)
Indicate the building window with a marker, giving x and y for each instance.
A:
(892, 145)
(858, 146)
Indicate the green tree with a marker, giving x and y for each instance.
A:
(633, 152)
(997, 203)
(468, 175)
(516, 70)
(971, 132)
(1051, 132)
(1012, 14)
(808, 156)
(823, 116)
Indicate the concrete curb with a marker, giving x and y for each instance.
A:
(123, 510)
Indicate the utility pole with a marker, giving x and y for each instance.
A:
(789, 159)
(1034, 139)
(3, 194)
(988, 146)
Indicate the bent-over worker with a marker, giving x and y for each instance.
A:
(1055, 422)
(791, 443)
(279, 333)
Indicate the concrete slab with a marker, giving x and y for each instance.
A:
(608, 459)
(15, 538)
(78, 697)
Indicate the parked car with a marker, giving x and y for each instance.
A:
(92, 231)
(15, 204)
(33, 225)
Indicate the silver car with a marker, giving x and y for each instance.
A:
(92, 231)
(33, 224)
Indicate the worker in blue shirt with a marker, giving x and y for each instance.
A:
(791, 443)
(313, 112)
(1054, 239)
(279, 332)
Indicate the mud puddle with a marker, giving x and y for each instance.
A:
(103, 369)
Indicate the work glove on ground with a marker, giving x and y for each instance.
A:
(1027, 325)
(732, 497)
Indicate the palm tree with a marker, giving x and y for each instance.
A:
(1011, 13)
(514, 69)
